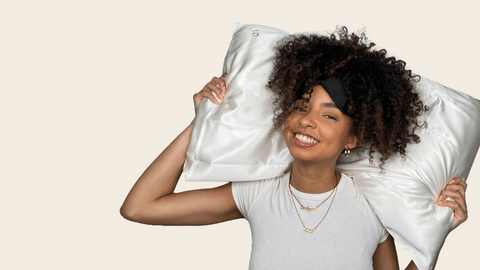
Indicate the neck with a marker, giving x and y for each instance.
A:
(313, 178)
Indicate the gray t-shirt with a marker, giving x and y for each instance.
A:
(346, 239)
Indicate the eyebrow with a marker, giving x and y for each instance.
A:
(329, 105)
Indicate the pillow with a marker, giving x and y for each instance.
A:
(403, 195)
(231, 142)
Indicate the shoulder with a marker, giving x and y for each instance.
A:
(353, 196)
(350, 190)
(245, 193)
(361, 206)
(353, 191)
(260, 185)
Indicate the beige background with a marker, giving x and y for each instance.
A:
(93, 91)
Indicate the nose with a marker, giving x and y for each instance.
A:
(307, 120)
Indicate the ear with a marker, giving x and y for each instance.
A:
(352, 142)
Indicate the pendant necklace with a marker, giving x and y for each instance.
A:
(302, 207)
(305, 228)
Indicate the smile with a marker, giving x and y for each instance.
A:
(304, 141)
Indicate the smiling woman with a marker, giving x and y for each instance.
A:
(333, 93)
(375, 90)
(316, 130)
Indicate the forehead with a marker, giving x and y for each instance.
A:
(321, 97)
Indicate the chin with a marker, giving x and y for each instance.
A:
(312, 154)
(301, 153)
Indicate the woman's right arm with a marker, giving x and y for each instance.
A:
(152, 199)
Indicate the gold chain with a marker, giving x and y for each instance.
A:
(306, 207)
(305, 228)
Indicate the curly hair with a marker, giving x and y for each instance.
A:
(380, 91)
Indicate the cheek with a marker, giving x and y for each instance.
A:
(291, 118)
(289, 123)
(286, 129)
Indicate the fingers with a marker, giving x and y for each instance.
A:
(454, 187)
(459, 214)
(204, 94)
(455, 190)
(217, 86)
(455, 195)
(458, 185)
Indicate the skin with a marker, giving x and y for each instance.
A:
(152, 199)
(313, 169)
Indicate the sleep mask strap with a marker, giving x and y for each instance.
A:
(334, 88)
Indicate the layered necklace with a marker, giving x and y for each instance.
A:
(305, 228)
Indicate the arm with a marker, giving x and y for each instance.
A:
(152, 199)
(385, 256)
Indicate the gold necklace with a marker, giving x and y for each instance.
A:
(305, 228)
(302, 207)
(306, 207)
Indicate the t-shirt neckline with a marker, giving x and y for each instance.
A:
(315, 197)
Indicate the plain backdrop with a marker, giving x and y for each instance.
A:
(93, 91)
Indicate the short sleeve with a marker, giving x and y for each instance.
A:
(246, 194)
(382, 232)
(384, 235)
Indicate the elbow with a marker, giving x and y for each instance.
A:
(129, 213)
(137, 214)
(145, 213)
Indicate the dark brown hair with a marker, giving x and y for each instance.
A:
(380, 91)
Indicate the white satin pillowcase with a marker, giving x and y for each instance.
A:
(232, 142)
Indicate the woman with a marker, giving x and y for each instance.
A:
(333, 94)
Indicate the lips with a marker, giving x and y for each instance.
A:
(304, 140)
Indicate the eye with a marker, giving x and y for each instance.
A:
(300, 109)
(330, 117)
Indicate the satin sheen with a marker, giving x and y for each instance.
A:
(232, 142)
(403, 195)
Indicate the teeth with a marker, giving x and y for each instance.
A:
(305, 139)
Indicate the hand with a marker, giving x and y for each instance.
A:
(216, 85)
(455, 189)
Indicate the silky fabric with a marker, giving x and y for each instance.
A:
(403, 195)
(232, 142)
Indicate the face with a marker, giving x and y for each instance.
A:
(318, 131)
